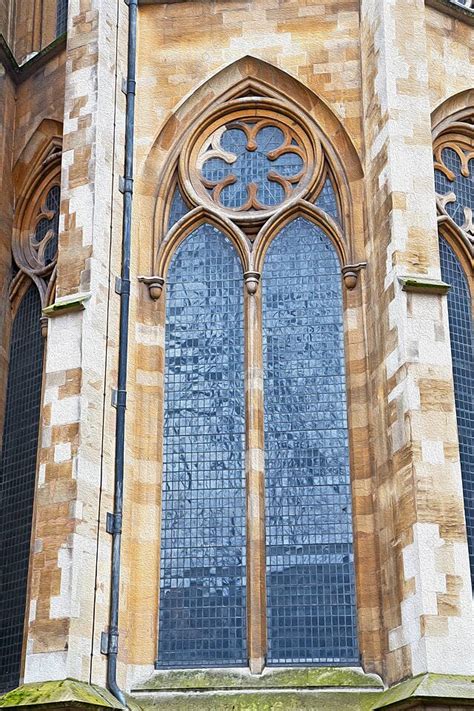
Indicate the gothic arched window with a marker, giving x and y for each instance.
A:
(35, 254)
(257, 558)
(454, 180)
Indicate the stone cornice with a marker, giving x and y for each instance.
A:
(19, 72)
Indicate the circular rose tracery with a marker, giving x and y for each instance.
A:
(251, 165)
(249, 160)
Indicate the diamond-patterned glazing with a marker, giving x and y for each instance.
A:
(17, 480)
(462, 350)
(310, 561)
(203, 575)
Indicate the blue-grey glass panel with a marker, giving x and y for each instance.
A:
(462, 349)
(50, 227)
(203, 575)
(252, 167)
(310, 560)
(178, 208)
(327, 201)
(462, 186)
(61, 17)
(17, 480)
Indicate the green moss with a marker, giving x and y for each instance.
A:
(66, 691)
(270, 701)
(432, 687)
(302, 678)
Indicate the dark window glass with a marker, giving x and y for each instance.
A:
(462, 187)
(61, 17)
(327, 201)
(310, 563)
(202, 598)
(50, 227)
(17, 480)
(462, 349)
(178, 208)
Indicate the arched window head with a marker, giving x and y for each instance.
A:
(256, 536)
(454, 181)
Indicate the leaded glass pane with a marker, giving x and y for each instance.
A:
(61, 17)
(17, 480)
(462, 187)
(310, 560)
(327, 201)
(462, 350)
(203, 577)
(178, 208)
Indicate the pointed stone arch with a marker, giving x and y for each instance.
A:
(248, 77)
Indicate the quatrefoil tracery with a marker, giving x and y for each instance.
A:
(250, 158)
(251, 165)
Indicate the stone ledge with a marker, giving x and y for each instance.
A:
(430, 690)
(272, 678)
(422, 285)
(67, 304)
(63, 694)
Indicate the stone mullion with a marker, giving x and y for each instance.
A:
(256, 588)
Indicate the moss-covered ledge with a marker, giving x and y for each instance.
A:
(272, 678)
(63, 694)
(428, 691)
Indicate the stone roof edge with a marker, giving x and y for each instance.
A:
(19, 72)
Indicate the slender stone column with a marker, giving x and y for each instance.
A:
(71, 560)
(256, 596)
(423, 551)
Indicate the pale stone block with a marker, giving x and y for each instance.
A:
(62, 452)
(65, 411)
(432, 451)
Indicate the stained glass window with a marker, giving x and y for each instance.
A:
(203, 557)
(17, 480)
(250, 165)
(310, 560)
(61, 17)
(178, 208)
(327, 201)
(462, 349)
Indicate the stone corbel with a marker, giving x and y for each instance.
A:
(252, 280)
(422, 285)
(350, 274)
(155, 285)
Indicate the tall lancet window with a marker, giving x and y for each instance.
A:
(202, 600)
(35, 261)
(257, 562)
(454, 180)
(308, 499)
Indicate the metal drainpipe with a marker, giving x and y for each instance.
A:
(114, 521)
